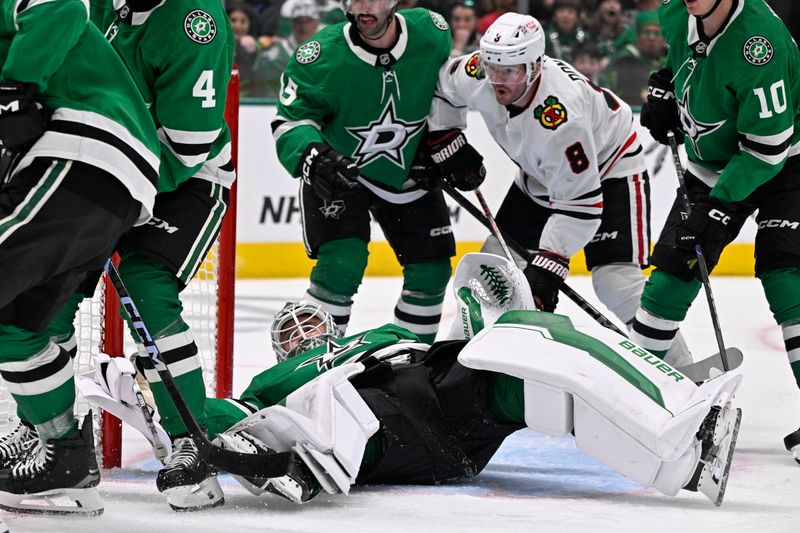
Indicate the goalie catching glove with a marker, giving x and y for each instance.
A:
(22, 120)
(461, 166)
(328, 172)
(545, 273)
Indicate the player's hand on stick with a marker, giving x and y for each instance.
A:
(423, 170)
(22, 120)
(545, 273)
(707, 226)
(460, 164)
(660, 113)
(328, 172)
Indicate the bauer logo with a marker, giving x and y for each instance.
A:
(200, 26)
(652, 359)
(308, 53)
(757, 50)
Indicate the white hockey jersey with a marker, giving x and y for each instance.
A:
(571, 136)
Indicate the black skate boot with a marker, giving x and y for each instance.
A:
(189, 482)
(15, 446)
(717, 435)
(52, 472)
(792, 443)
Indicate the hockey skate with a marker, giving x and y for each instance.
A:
(189, 482)
(15, 446)
(792, 443)
(717, 435)
(298, 485)
(55, 477)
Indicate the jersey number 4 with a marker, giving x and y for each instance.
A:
(204, 88)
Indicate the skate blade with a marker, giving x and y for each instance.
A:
(720, 473)
(85, 502)
(204, 495)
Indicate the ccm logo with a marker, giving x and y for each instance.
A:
(605, 236)
(661, 94)
(162, 224)
(719, 216)
(777, 223)
(444, 230)
(306, 168)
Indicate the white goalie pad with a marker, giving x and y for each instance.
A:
(485, 286)
(325, 422)
(112, 387)
(627, 408)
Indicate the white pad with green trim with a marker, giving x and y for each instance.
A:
(486, 286)
(627, 408)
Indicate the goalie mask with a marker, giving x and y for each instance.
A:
(371, 17)
(301, 326)
(511, 49)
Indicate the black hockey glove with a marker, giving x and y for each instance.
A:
(423, 170)
(22, 120)
(328, 172)
(660, 113)
(707, 226)
(545, 273)
(460, 164)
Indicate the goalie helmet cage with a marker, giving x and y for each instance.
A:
(208, 303)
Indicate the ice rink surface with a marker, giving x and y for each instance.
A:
(534, 483)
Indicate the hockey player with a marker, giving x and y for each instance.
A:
(180, 53)
(350, 121)
(582, 182)
(731, 84)
(86, 156)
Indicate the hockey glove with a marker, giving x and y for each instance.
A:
(460, 164)
(707, 226)
(423, 170)
(545, 273)
(22, 120)
(660, 113)
(328, 172)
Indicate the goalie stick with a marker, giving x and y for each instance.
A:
(259, 465)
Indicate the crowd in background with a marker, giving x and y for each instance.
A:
(615, 43)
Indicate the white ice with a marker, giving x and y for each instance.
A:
(534, 483)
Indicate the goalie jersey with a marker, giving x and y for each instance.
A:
(571, 136)
(739, 96)
(180, 54)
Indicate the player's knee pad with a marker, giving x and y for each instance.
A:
(668, 297)
(340, 266)
(619, 286)
(429, 279)
(325, 422)
(626, 407)
(782, 289)
(154, 288)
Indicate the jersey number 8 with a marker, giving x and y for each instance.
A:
(578, 161)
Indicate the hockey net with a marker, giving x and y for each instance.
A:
(208, 309)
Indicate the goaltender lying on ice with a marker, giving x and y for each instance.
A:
(381, 407)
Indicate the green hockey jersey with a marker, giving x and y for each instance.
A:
(739, 95)
(98, 116)
(369, 105)
(180, 54)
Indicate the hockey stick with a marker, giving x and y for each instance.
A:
(701, 260)
(244, 464)
(523, 252)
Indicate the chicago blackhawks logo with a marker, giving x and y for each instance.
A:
(308, 53)
(552, 114)
(386, 137)
(474, 67)
(758, 50)
(439, 21)
(200, 26)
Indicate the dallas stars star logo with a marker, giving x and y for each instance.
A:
(386, 137)
(693, 128)
(327, 359)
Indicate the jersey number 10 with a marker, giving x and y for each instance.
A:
(778, 100)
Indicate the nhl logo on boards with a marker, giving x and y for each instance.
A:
(552, 114)
(308, 53)
(758, 50)
(439, 21)
(200, 26)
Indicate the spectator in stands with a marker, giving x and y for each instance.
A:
(247, 51)
(493, 10)
(606, 29)
(541, 10)
(464, 25)
(586, 59)
(328, 12)
(630, 69)
(564, 31)
(304, 19)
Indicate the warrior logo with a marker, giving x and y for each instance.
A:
(332, 209)
(552, 114)
(308, 53)
(693, 128)
(385, 137)
(757, 50)
(474, 67)
(200, 26)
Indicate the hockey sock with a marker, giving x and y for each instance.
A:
(39, 375)
(782, 288)
(665, 302)
(336, 276)
(62, 329)
(419, 308)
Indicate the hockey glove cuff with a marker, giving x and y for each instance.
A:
(707, 226)
(328, 172)
(460, 164)
(660, 113)
(546, 273)
(423, 170)
(22, 120)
